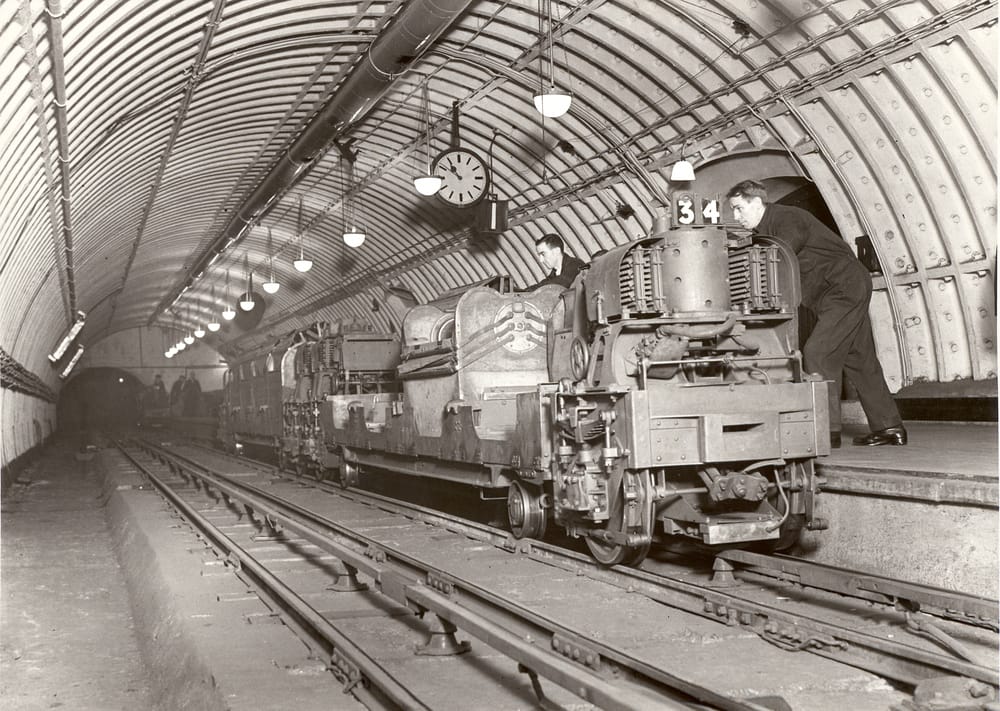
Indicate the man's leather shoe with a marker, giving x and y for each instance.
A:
(835, 440)
(890, 435)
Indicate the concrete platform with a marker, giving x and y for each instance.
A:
(67, 637)
(927, 512)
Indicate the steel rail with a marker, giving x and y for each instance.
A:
(867, 586)
(413, 582)
(892, 659)
(350, 660)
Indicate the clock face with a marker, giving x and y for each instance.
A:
(465, 177)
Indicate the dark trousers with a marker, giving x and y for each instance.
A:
(841, 343)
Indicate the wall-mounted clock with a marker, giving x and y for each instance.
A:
(465, 176)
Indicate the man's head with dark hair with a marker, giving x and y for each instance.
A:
(748, 189)
(551, 240)
(748, 199)
(549, 249)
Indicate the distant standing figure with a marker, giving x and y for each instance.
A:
(562, 267)
(192, 397)
(158, 393)
(837, 288)
(177, 395)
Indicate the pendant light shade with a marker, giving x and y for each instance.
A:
(228, 313)
(354, 237)
(213, 324)
(427, 184)
(246, 299)
(270, 286)
(550, 101)
(553, 103)
(189, 339)
(682, 171)
(181, 345)
(199, 332)
(302, 264)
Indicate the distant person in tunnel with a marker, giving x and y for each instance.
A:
(192, 397)
(158, 393)
(562, 268)
(837, 289)
(177, 396)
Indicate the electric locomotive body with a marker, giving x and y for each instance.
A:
(661, 395)
(682, 408)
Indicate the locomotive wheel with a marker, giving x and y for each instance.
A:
(525, 511)
(350, 474)
(620, 554)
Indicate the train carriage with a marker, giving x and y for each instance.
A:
(660, 396)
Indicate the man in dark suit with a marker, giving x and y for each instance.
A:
(837, 288)
(562, 267)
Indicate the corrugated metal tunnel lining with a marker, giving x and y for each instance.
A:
(140, 137)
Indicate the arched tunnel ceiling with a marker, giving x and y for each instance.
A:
(140, 138)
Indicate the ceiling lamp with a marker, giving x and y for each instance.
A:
(199, 332)
(213, 324)
(302, 264)
(181, 345)
(189, 338)
(354, 236)
(270, 286)
(246, 300)
(427, 184)
(682, 171)
(228, 313)
(550, 101)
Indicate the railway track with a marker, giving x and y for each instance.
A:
(547, 611)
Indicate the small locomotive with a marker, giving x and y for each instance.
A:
(661, 395)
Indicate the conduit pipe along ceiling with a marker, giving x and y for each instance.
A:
(414, 30)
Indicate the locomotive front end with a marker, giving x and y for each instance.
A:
(683, 409)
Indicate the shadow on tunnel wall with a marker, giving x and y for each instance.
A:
(99, 399)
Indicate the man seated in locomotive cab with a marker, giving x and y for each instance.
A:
(562, 268)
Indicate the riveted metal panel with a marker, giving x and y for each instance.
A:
(917, 327)
(978, 290)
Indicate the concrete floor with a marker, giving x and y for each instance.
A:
(66, 624)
